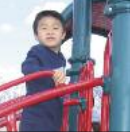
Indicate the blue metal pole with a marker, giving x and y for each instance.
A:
(67, 13)
(120, 82)
(81, 47)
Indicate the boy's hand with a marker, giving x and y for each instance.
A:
(59, 78)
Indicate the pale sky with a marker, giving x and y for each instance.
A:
(16, 35)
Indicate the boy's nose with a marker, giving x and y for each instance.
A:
(50, 33)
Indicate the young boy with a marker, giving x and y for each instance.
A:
(49, 31)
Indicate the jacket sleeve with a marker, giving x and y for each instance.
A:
(32, 63)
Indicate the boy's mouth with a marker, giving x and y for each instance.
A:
(50, 38)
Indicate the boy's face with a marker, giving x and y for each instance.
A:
(50, 32)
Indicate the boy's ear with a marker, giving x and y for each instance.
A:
(64, 35)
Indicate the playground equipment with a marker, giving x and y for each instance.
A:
(87, 17)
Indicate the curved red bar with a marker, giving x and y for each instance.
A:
(85, 116)
(106, 98)
(67, 104)
(17, 104)
(4, 121)
(89, 96)
(107, 56)
(11, 123)
(71, 102)
(105, 114)
(26, 78)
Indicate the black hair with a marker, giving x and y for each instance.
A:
(46, 13)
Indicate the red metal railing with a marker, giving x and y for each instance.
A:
(89, 96)
(67, 104)
(81, 116)
(85, 116)
(11, 122)
(8, 109)
(4, 121)
(105, 113)
(106, 97)
(71, 102)
(17, 104)
(26, 79)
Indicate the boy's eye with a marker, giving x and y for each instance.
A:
(55, 28)
(44, 28)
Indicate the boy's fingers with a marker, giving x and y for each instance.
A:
(61, 79)
(58, 75)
